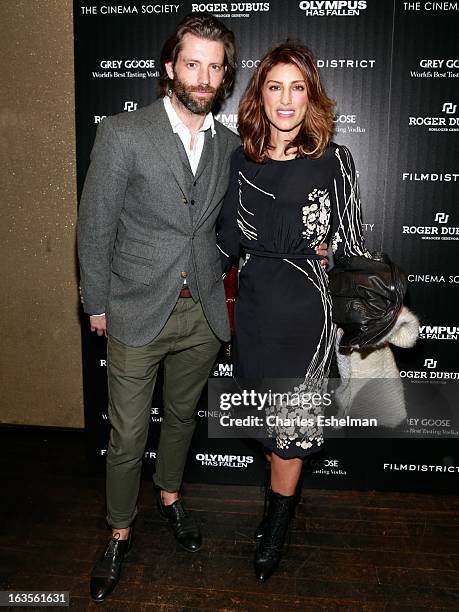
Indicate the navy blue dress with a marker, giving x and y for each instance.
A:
(274, 215)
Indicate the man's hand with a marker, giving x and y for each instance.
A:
(98, 324)
(322, 251)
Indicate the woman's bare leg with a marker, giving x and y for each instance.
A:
(285, 474)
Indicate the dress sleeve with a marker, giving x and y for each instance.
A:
(228, 241)
(347, 232)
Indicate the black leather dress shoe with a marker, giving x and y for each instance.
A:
(107, 571)
(185, 530)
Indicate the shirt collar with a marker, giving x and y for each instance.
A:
(176, 122)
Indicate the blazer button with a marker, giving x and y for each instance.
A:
(183, 274)
(192, 202)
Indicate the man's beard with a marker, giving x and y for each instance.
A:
(185, 92)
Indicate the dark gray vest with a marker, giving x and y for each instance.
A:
(196, 190)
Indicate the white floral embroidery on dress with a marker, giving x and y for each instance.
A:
(316, 216)
(335, 240)
(293, 422)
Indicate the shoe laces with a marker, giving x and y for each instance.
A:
(111, 550)
(112, 547)
(185, 522)
(180, 512)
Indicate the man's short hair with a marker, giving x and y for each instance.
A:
(203, 26)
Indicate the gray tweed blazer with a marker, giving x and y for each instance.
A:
(136, 232)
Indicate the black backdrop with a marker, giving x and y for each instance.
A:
(392, 67)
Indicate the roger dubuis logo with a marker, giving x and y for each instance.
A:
(449, 108)
(441, 217)
(129, 106)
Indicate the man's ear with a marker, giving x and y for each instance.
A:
(169, 70)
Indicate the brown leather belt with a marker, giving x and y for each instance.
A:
(185, 293)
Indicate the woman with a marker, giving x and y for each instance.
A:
(290, 189)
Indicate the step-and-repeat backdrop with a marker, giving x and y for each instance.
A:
(393, 69)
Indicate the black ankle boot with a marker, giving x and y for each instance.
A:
(269, 547)
(257, 534)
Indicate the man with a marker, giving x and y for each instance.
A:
(151, 274)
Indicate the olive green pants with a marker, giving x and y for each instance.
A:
(189, 348)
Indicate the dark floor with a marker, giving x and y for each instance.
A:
(349, 550)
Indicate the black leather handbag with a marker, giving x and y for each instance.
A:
(367, 296)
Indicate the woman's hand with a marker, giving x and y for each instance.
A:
(322, 251)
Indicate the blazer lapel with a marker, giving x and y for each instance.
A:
(207, 153)
(183, 156)
(211, 154)
(159, 128)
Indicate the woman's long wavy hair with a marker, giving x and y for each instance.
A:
(317, 128)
